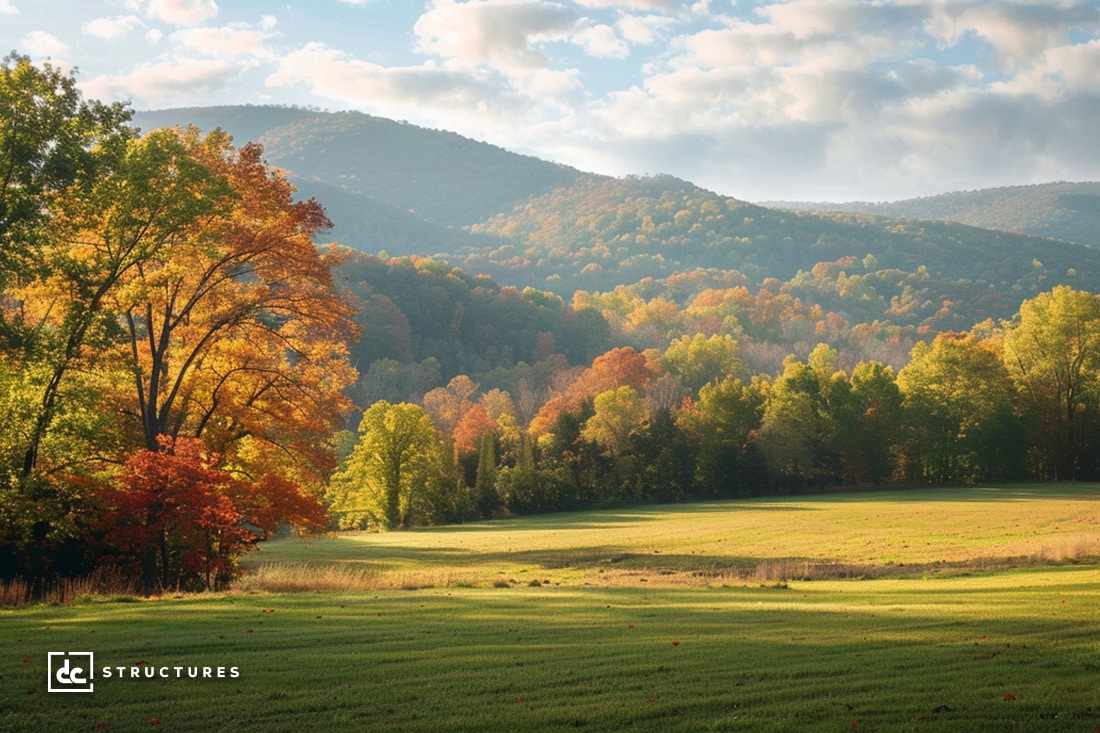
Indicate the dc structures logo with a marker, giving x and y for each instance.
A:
(70, 671)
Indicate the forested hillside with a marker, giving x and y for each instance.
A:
(1063, 210)
(602, 233)
(403, 190)
(639, 261)
(439, 175)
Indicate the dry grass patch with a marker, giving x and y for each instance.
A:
(100, 585)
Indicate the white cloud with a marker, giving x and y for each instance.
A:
(334, 75)
(479, 103)
(1019, 32)
(502, 33)
(6, 8)
(668, 5)
(643, 29)
(182, 12)
(224, 42)
(109, 28)
(179, 81)
(601, 41)
(41, 44)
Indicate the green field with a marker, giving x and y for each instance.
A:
(972, 610)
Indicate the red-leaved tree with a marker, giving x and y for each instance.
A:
(177, 521)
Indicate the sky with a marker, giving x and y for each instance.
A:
(823, 100)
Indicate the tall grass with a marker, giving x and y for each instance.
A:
(99, 585)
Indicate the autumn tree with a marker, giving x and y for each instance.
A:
(620, 367)
(169, 278)
(700, 359)
(722, 424)
(170, 521)
(388, 479)
(959, 418)
(1052, 351)
(233, 330)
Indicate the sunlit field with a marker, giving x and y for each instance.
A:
(861, 535)
(952, 610)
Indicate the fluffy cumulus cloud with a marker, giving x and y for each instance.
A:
(200, 63)
(481, 104)
(601, 41)
(502, 33)
(40, 44)
(111, 28)
(6, 8)
(225, 42)
(182, 12)
(177, 82)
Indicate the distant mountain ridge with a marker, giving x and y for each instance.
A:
(1060, 210)
(600, 234)
(440, 176)
(940, 263)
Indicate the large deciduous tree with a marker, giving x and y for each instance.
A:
(1052, 350)
(388, 479)
(960, 421)
(234, 333)
(171, 279)
(53, 145)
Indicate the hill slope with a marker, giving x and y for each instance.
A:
(601, 233)
(1069, 211)
(411, 191)
(441, 176)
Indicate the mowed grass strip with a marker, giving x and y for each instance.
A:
(1009, 651)
(871, 534)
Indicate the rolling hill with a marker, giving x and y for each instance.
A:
(939, 263)
(1062, 210)
(602, 233)
(440, 176)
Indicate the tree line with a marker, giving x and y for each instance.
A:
(1014, 400)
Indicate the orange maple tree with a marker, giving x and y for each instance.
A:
(235, 333)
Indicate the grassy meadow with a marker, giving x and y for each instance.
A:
(955, 610)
